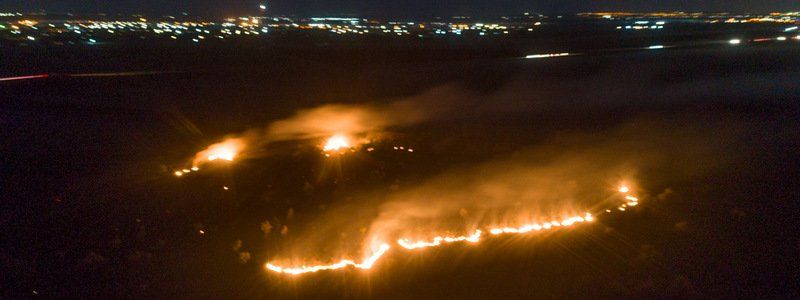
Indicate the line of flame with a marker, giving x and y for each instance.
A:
(473, 238)
(544, 226)
(366, 264)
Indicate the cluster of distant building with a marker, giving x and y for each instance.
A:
(658, 20)
(775, 17)
(62, 29)
(96, 29)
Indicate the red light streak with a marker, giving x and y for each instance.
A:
(25, 77)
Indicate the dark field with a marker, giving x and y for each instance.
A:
(89, 206)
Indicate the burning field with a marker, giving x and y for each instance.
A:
(653, 174)
(570, 180)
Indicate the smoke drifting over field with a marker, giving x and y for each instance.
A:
(359, 123)
(551, 175)
(564, 176)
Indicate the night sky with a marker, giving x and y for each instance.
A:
(392, 8)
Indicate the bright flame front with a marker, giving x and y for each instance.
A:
(439, 240)
(226, 150)
(336, 143)
(365, 265)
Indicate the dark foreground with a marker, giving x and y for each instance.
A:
(90, 208)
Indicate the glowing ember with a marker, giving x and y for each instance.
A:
(182, 172)
(632, 201)
(336, 143)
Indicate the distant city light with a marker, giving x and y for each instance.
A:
(781, 38)
(547, 55)
(653, 47)
(26, 29)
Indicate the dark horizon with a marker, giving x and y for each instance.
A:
(403, 9)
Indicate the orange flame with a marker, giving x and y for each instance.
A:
(336, 143)
(437, 241)
(226, 150)
(367, 264)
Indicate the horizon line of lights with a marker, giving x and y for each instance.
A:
(473, 238)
